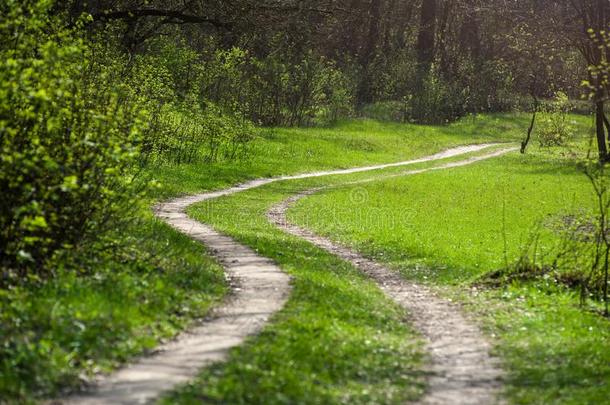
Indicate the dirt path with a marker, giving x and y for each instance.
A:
(462, 370)
(259, 289)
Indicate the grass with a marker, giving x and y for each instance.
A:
(350, 143)
(55, 333)
(432, 224)
(449, 228)
(338, 340)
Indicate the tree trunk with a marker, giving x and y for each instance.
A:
(470, 35)
(365, 95)
(425, 38)
(526, 141)
(600, 131)
(607, 126)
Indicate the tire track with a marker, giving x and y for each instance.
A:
(259, 288)
(462, 371)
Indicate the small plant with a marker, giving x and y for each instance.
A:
(554, 128)
(597, 279)
(186, 133)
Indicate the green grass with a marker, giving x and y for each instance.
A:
(55, 332)
(349, 143)
(446, 228)
(73, 325)
(338, 340)
(451, 224)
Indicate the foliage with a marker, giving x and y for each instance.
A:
(67, 135)
(273, 91)
(597, 281)
(599, 71)
(386, 111)
(183, 134)
(436, 102)
(554, 125)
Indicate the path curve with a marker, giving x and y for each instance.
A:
(259, 288)
(462, 371)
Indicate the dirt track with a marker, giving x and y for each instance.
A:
(462, 371)
(260, 288)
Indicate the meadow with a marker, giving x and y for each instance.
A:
(339, 339)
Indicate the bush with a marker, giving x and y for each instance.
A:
(335, 97)
(386, 111)
(435, 102)
(277, 89)
(186, 133)
(554, 128)
(67, 137)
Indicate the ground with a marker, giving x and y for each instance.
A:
(339, 339)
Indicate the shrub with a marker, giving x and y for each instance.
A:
(277, 89)
(67, 136)
(335, 98)
(554, 128)
(386, 110)
(186, 133)
(436, 102)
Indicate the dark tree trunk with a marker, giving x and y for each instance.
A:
(441, 45)
(425, 38)
(600, 131)
(365, 95)
(527, 139)
(470, 36)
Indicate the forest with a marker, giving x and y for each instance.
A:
(398, 176)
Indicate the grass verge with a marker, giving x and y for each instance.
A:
(58, 333)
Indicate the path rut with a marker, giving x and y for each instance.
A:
(259, 288)
(462, 371)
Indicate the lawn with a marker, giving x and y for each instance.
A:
(278, 151)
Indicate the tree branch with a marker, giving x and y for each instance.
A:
(171, 16)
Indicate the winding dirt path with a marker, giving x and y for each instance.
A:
(462, 371)
(259, 289)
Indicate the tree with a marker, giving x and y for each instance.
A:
(594, 16)
(425, 37)
(365, 95)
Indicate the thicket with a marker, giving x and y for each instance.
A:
(554, 127)
(79, 118)
(68, 134)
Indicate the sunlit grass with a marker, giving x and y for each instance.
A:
(449, 228)
(339, 339)
(350, 143)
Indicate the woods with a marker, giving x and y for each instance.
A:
(301, 62)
